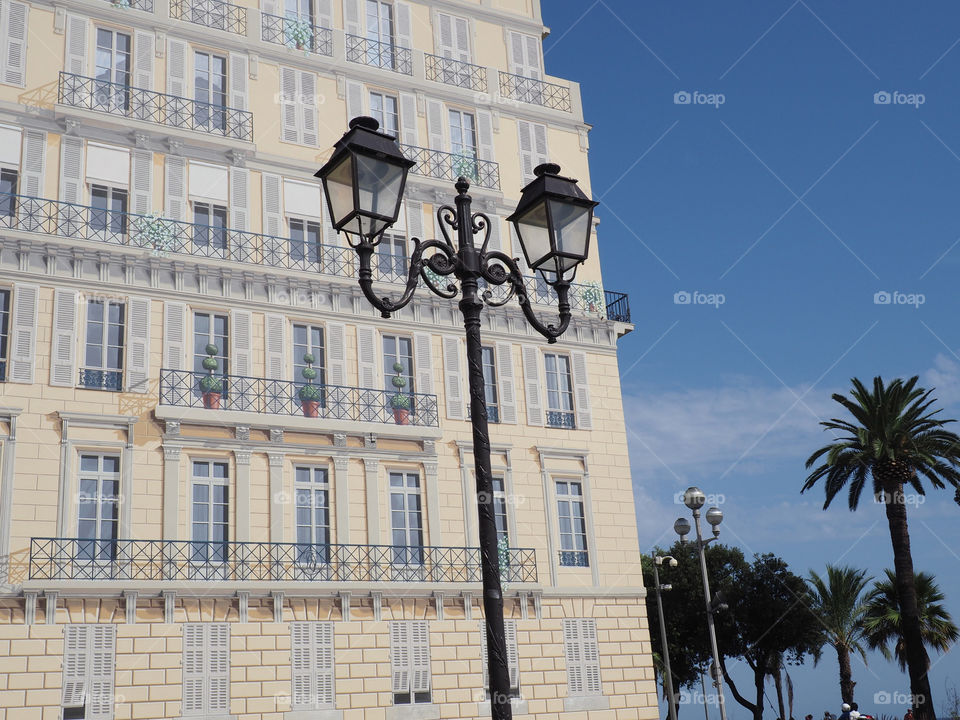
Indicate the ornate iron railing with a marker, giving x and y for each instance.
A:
(181, 388)
(456, 72)
(92, 379)
(618, 306)
(450, 166)
(117, 99)
(559, 419)
(290, 32)
(574, 558)
(389, 56)
(145, 5)
(165, 560)
(535, 92)
(215, 14)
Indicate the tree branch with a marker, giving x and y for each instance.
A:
(752, 707)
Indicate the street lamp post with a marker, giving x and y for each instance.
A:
(694, 499)
(363, 182)
(659, 589)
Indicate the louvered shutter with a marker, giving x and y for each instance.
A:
(573, 649)
(419, 637)
(423, 360)
(273, 225)
(485, 134)
(63, 349)
(325, 13)
(275, 346)
(414, 219)
(23, 342)
(336, 368)
(404, 24)
(367, 357)
(239, 200)
(352, 17)
(288, 105)
(101, 678)
(238, 81)
(495, 242)
(541, 153)
(513, 654)
(143, 46)
(581, 390)
(505, 384)
(270, 8)
(324, 656)
(355, 104)
(484, 657)
(74, 669)
(218, 668)
(138, 344)
(400, 656)
(461, 39)
(175, 187)
(302, 676)
(33, 163)
(453, 378)
(435, 125)
(193, 669)
(174, 335)
(177, 67)
(532, 50)
(444, 37)
(75, 58)
(15, 16)
(142, 181)
(525, 143)
(590, 657)
(533, 382)
(241, 342)
(308, 107)
(409, 134)
(517, 54)
(71, 170)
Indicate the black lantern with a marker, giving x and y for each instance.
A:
(364, 180)
(553, 221)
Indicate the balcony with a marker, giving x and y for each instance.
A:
(95, 379)
(180, 388)
(116, 99)
(214, 14)
(561, 419)
(535, 92)
(456, 72)
(618, 306)
(388, 56)
(574, 558)
(179, 560)
(450, 166)
(145, 5)
(296, 33)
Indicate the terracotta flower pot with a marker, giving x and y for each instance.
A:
(311, 408)
(401, 416)
(211, 400)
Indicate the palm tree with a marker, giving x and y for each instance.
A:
(897, 440)
(839, 604)
(883, 622)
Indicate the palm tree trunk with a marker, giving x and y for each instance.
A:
(846, 676)
(917, 660)
(778, 684)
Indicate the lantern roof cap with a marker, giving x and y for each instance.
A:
(549, 183)
(364, 136)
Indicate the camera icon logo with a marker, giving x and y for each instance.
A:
(881, 97)
(881, 297)
(681, 97)
(681, 298)
(882, 698)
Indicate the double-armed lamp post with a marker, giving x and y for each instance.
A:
(364, 182)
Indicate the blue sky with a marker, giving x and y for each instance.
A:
(797, 199)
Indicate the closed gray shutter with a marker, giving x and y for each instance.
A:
(63, 348)
(355, 99)
(513, 656)
(175, 187)
(143, 46)
(174, 335)
(239, 200)
(367, 357)
(33, 163)
(192, 667)
(404, 24)
(409, 134)
(461, 39)
(275, 346)
(453, 378)
(435, 124)
(533, 382)
(444, 35)
(75, 58)
(218, 668)
(302, 678)
(591, 657)
(102, 654)
(15, 16)
(495, 242)
(138, 344)
(506, 384)
(71, 169)
(23, 335)
(423, 361)
(337, 368)
(541, 153)
(74, 666)
(414, 219)
(525, 142)
(272, 218)
(323, 653)
(400, 656)
(325, 13)
(241, 331)
(238, 81)
(288, 105)
(177, 67)
(352, 17)
(581, 390)
(573, 652)
(308, 108)
(485, 134)
(141, 180)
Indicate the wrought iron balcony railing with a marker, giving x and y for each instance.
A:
(215, 14)
(618, 306)
(456, 72)
(535, 92)
(181, 388)
(574, 558)
(93, 379)
(296, 33)
(165, 560)
(561, 419)
(117, 99)
(388, 56)
(450, 166)
(145, 5)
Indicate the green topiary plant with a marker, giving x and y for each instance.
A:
(154, 232)
(299, 33)
(309, 393)
(400, 401)
(210, 385)
(592, 295)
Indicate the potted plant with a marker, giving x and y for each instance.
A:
(154, 232)
(400, 402)
(592, 295)
(210, 385)
(299, 32)
(309, 394)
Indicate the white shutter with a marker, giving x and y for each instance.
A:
(63, 348)
(400, 656)
(175, 187)
(573, 649)
(241, 342)
(302, 677)
(75, 58)
(23, 340)
(270, 8)
(143, 43)
(461, 39)
(74, 669)
(525, 143)
(238, 81)
(485, 134)
(513, 657)
(495, 239)
(15, 16)
(352, 17)
(193, 669)
(336, 354)
(409, 134)
(71, 169)
(590, 657)
(423, 361)
(239, 199)
(533, 382)
(308, 105)
(435, 125)
(218, 668)
(325, 13)
(484, 657)
(174, 335)
(532, 49)
(355, 104)
(272, 207)
(324, 657)
(414, 219)
(101, 679)
(34, 162)
(275, 346)
(288, 105)
(505, 384)
(453, 378)
(540, 152)
(142, 182)
(177, 68)
(404, 24)
(367, 357)
(581, 390)
(419, 656)
(444, 37)
(138, 344)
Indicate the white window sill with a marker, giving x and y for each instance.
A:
(415, 711)
(519, 706)
(581, 703)
(326, 714)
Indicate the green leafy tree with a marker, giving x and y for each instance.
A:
(838, 603)
(896, 440)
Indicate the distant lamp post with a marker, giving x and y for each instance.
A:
(658, 589)
(694, 499)
(364, 182)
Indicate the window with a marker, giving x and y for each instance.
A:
(513, 657)
(583, 657)
(98, 504)
(308, 339)
(210, 89)
(312, 493)
(209, 328)
(8, 191)
(500, 509)
(299, 9)
(103, 356)
(109, 213)
(572, 524)
(489, 363)
(89, 660)
(206, 669)
(209, 232)
(305, 243)
(4, 332)
(397, 349)
(410, 661)
(112, 87)
(312, 672)
(210, 529)
(406, 519)
(392, 258)
(559, 391)
(385, 109)
(380, 34)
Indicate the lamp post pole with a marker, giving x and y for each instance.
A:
(667, 675)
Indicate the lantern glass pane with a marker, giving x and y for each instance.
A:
(380, 184)
(572, 228)
(340, 190)
(534, 231)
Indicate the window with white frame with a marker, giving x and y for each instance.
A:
(463, 142)
(300, 10)
(489, 364)
(398, 349)
(513, 657)
(392, 257)
(559, 391)
(309, 339)
(206, 670)
(89, 661)
(211, 329)
(500, 509)
(410, 662)
(583, 656)
(406, 519)
(386, 110)
(210, 90)
(108, 214)
(306, 242)
(210, 229)
(380, 29)
(312, 667)
(210, 505)
(4, 331)
(103, 347)
(98, 506)
(312, 495)
(112, 72)
(572, 524)
(9, 181)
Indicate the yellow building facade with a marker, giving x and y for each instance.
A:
(181, 540)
